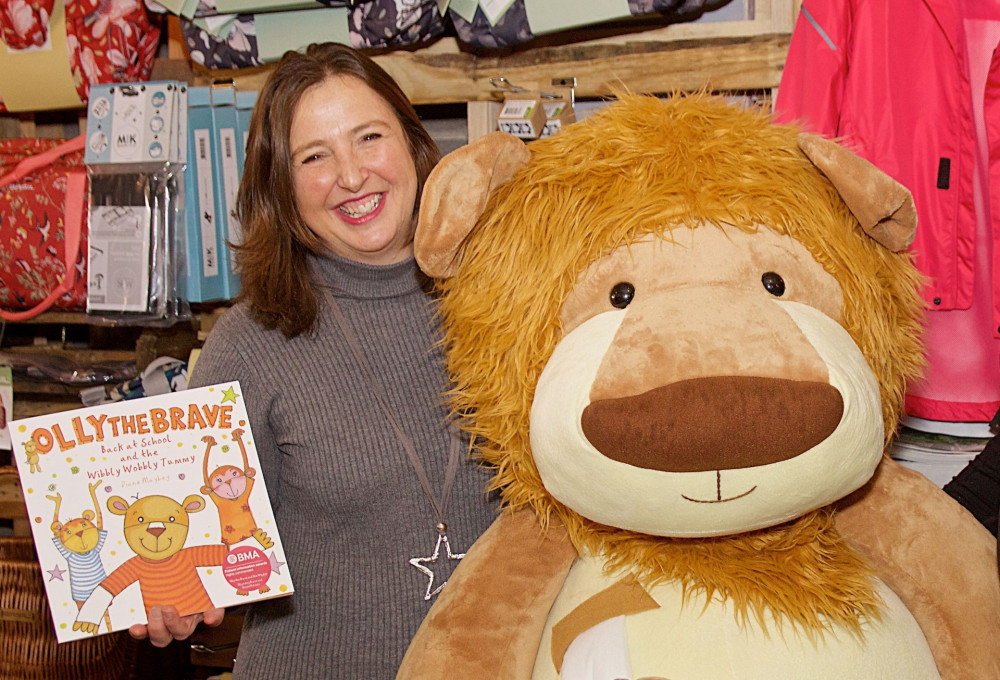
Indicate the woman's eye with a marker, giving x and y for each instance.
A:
(773, 283)
(372, 136)
(621, 295)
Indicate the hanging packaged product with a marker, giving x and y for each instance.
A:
(558, 112)
(135, 155)
(522, 115)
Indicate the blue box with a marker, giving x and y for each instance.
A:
(227, 176)
(206, 276)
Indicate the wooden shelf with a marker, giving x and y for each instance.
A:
(60, 318)
(645, 54)
(640, 55)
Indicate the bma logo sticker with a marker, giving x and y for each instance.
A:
(126, 142)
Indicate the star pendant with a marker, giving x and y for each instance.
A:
(421, 564)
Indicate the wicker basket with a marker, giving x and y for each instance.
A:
(29, 650)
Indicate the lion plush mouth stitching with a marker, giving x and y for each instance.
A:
(718, 493)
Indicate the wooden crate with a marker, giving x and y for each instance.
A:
(30, 650)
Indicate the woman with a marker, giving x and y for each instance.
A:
(332, 339)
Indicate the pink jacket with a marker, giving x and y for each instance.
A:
(891, 79)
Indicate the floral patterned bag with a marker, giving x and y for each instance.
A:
(108, 41)
(25, 23)
(43, 244)
(371, 24)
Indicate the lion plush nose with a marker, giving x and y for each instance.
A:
(718, 423)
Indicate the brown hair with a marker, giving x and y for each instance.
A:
(276, 241)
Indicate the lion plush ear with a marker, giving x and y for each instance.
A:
(455, 195)
(883, 206)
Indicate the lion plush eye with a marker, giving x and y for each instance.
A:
(773, 283)
(622, 294)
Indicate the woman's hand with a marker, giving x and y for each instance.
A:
(165, 625)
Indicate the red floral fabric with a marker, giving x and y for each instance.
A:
(25, 23)
(32, 229)
(110, 41)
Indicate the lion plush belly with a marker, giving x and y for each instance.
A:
(607, 627)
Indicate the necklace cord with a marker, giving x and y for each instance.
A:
(440, 505)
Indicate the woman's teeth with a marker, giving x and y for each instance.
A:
(362, 209)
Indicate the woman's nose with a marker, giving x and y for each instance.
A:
(352, 173)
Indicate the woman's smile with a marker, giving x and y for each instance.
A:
(361, 210)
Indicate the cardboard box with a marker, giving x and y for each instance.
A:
(558, 114)
(522, 115)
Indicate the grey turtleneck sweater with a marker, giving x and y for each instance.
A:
(349, 507)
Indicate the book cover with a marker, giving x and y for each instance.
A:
(152, 501)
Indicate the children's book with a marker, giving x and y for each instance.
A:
(143, 502)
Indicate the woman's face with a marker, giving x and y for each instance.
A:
(354, 179)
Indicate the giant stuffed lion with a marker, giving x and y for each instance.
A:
(681, 334)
